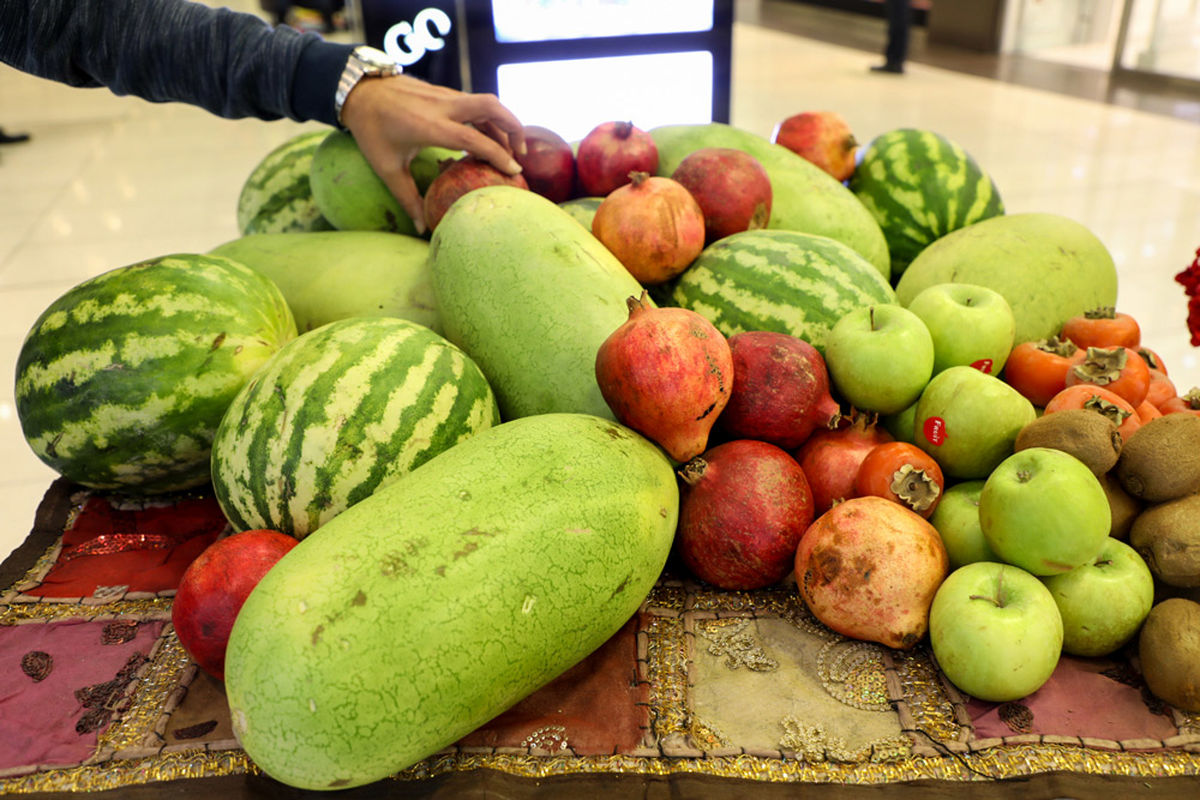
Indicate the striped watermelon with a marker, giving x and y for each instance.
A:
(122, 381)
(778, 280)
(276, 197)
(920, 186)
(339, 412)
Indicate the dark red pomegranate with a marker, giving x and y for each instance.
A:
(730, 186)
(652, 225)
(831, 458)
(215, 586)
(459, 177)
(666, 373)
(780, 390)
(744, 506)
(609, 153)
(548, 165)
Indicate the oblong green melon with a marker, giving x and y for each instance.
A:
(339, 412)
(122, 381)
(1048, 267)
(419, 614)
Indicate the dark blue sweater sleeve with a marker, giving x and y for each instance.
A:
(232, 64)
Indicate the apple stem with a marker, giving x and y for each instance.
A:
(871, 316)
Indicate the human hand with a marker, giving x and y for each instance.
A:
(392, 118)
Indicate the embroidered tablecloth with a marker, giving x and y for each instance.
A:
(702, 693)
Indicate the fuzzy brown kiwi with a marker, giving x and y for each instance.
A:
(1090, 437)
(1169, 652)
(1123, 506)
(1167, 535)
(1161, 460)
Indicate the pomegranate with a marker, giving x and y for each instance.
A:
(609, 152)
(459, 176)
(780, 390)
(745, 504)
(548, 165)
(831, 458)
(821, 137)
(666, 373)
(653, 226)
(868, 568)
(215, 586)
(730, 186)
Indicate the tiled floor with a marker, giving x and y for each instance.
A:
(107, 181)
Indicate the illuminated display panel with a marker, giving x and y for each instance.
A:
(545, 20)
(571, 96)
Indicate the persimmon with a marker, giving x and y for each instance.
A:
(1102, 327)
(1147, 411)
(1100, 400)
(903, 473)
(1153, 360)
(1119, 369)
(1188, 403)
(1161, 388)
(1038, 370)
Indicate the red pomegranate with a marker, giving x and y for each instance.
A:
(609, 152)
(458, 177)
(666, 373)
(730, 186)
(215, 586)
(548, 164)
(653, 226)
(831, 458)
(780, 390)
(745, 504)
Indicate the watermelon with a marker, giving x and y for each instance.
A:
(920, 186)
(778, 280)
(122, 381)
(277, 197)
(339, 412)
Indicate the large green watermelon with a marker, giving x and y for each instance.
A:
(339, 412)
(277, 197)
(920, 186)
(122, 381)
(782, 281)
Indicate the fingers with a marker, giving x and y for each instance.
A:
(404, 188)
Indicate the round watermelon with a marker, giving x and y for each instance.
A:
(339, 412)
(919, 186)
(779, 280)
(122, 381)
(276, 196)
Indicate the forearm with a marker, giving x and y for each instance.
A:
(232, 64)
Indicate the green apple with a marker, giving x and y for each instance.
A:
(1044, 511)
(956, 518)
(968, 421)
(900, 424)
(995, 630)
(879, 357)
(1103, 602)
(971, 326)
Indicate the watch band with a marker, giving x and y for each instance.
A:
(364, 62)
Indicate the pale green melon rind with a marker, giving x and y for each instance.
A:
(920, 186)
(804, 197)
(338, 413)
(419, 614)
(276, 196)
(781, 281)
(583, 209)
(332, 275)
(349, 193)
(530, 295)
(122, 381)
(1048, 267)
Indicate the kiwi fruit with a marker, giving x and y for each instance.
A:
(1169, 652)
(1092, 438)
(1123, 506)
(1161, 460)
(1167, 535)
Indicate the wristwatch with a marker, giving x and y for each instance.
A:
(364, 62)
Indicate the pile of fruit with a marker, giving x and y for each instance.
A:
(457, 463)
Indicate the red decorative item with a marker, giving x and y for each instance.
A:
(1189, 279)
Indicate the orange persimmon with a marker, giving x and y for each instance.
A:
(903, 473)
(1161, 388)
(1102, 327)
(1038, 370)
(1120, 370)
(1100, 400)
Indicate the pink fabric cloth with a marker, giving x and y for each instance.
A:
(53, 710)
